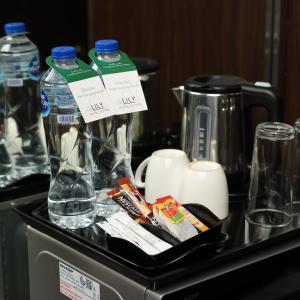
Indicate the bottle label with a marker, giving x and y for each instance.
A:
(65, 100)
(67, 119)
(26, 67)
(14, 82)
(87, 89)
(34, 68)
(1, 77)
(45, 104)
(122, 83)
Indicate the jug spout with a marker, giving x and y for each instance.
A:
(178, 92)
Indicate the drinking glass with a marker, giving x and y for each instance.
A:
(270, 193)
(296, 175)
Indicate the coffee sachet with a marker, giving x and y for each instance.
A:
(125, 202)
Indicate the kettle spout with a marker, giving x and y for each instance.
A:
(178, 92)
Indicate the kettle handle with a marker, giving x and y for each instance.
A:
(262, 95)
(257, 95)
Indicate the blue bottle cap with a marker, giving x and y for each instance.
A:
(15, 27)
(106, 46)
(63, 52)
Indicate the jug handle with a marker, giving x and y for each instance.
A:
(263, 95)
(139, 172)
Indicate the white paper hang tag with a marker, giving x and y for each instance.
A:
(122, 83)
(125, 91)
(87, 89)
(92, 99)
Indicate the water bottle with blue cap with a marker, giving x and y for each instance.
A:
(71, 197)
(6, 174)
(112, 141)
(20, 64)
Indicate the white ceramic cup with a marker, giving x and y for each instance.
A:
(163, 174)
(204, 182)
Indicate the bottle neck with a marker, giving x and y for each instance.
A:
(66, 63)
(108, 56)
(16, 36)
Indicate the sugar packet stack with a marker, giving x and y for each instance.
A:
(121, 225)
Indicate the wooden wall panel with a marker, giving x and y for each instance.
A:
(187, 37)
(289, 71)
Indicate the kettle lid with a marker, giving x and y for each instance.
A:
(214, 84)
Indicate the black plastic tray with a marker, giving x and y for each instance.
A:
(203, 245)
(234, 254)
(29, 185)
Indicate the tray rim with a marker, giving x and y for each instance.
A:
(157, 281)
(154, 259)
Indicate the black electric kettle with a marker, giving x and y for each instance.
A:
(215, 122)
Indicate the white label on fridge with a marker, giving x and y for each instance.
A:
(77, 286)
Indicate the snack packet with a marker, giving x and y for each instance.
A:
(125, 202)
(172, 219)
(196, 222)
(134, 195)
(136, 198)
(147, 241)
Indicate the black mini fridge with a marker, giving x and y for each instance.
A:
(14, 281)
(87, 264)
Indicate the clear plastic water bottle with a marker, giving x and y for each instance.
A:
(71, 198)
(19, 59)
(112, 142)
(5, 159)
